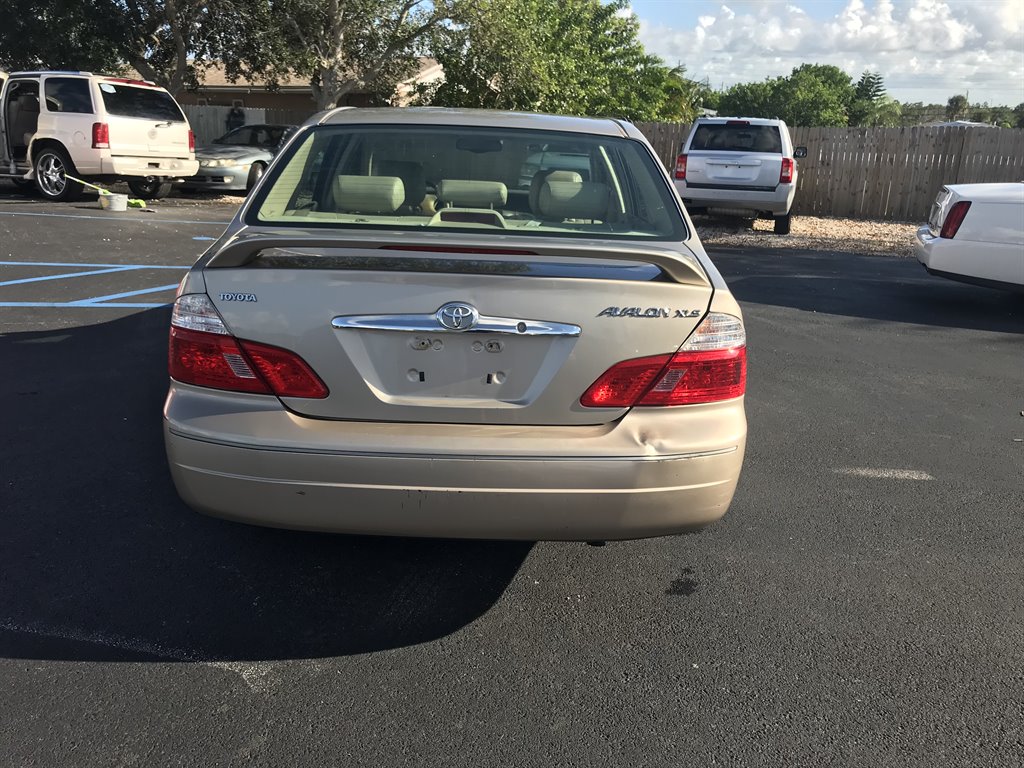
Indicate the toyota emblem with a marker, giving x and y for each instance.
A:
(458, 316)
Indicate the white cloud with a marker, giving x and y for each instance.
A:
(926, 50)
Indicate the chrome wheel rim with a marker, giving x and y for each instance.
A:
(51, 175)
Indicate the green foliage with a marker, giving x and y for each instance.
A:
(870, 87)
(956, 107)
(813, 94)
(342, 45)
(576, 57)
(1018, 116)
(55, 34)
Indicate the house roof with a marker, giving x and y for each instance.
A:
(214, 78)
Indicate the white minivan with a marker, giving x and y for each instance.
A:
(95, 128)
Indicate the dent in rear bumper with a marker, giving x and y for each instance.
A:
(246, 458)
(508, 497)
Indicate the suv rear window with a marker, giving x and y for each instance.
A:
(145, 103)
(408, 178)
(722, 137)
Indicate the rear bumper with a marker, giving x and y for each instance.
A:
(122, 165)
(583, 491)
(777, 202)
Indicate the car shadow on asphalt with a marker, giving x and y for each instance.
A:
(871, 287)
(101, 560)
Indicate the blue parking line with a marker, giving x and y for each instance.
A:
(113, 296)
(67, 275)
(66, 305)
(83, 264)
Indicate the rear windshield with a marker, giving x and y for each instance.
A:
(737, 138)
(146, 103)
(515, 182)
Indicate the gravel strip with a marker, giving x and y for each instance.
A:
(817, 233)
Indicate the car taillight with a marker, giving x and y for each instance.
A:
(710, 366)
(100, 136)
(954, 219)
(681, 167)
(202, 352)
(786, 174)
(191, 142)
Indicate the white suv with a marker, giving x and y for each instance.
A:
(93, 127)
(739, 164)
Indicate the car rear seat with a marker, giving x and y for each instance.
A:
(561, 200)
(368, 194)
(464, 193)
(412, 176)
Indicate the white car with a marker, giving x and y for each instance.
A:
(744, 165)
(92, 127)
(975, 234)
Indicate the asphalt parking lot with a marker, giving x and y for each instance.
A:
(861, 604)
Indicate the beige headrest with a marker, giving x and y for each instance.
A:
(462, 193)
(538, 181)
(573, 200)
(368, 194)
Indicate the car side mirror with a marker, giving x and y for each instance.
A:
(800, 152)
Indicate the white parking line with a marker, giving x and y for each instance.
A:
(884, 474)
(108, 217)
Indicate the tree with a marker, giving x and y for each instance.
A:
(342, 45)
(1018, 116)
(956, 107)
(161, 39)
(577, 57)
(812, 95)
(749, 99)
(54, 34)
(870, 87)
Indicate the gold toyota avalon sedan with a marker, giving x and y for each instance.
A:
(459, 323)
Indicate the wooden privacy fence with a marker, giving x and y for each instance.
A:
(209, 122)
(881, 173)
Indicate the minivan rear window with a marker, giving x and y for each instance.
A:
(145, 103)
(737, 138)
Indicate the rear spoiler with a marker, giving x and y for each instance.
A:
(245, 247)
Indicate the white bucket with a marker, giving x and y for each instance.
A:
(114, 202)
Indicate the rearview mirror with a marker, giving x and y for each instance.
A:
(800, 152)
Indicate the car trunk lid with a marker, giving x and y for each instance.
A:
(453, 334)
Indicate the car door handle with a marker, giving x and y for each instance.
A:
(166, 124)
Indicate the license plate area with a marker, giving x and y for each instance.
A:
(455, 369)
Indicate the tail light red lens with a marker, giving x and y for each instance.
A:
(685, 378)
(100, 136)
(222, 362)
(191, 142)
(786, 174)
(681, 167)
(954, 219)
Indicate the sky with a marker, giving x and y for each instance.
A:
(925, 50)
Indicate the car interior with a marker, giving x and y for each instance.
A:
(408, 178)
(22, 116)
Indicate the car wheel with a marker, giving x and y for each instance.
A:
(149, 187)
(52, 166)
(255, 174)
(782, 224)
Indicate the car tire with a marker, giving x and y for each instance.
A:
(149, 187)
(255, 174)
(52, 165)
(782, 224)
